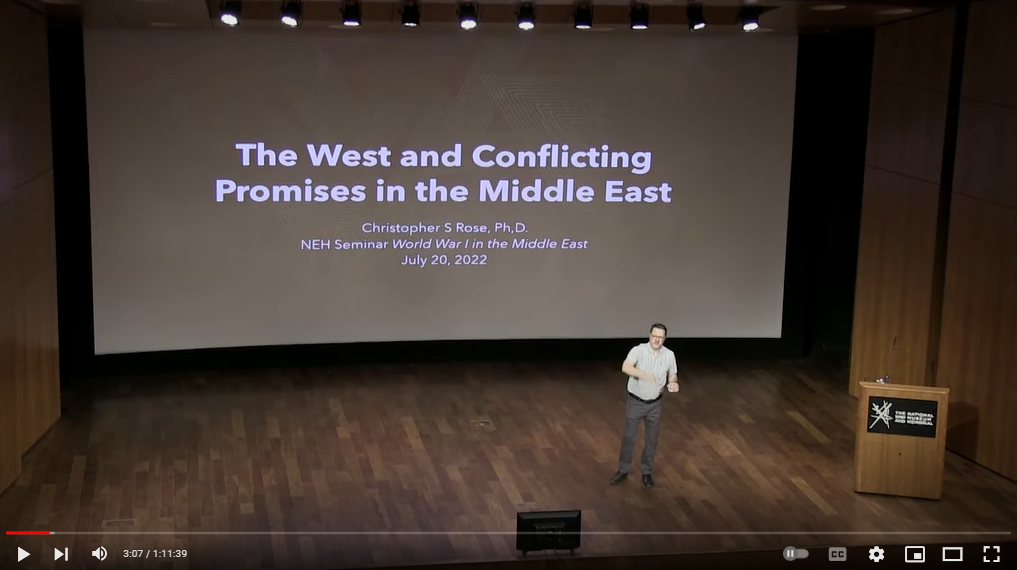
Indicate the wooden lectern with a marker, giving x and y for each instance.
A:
(900, 441)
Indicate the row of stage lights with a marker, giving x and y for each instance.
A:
(639, 15)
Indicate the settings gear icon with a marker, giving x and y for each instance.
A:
(875, 554)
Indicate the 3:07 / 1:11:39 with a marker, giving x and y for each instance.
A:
(155, 554)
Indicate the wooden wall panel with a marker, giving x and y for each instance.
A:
(29, 365)
(991, 54)
(915, 52)
(897, 240)
(893, 296)
(978, 349)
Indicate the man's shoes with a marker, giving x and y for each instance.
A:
(648, 481)
(618, 477)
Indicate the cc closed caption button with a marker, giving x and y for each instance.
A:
(791, 553)
(838, 554)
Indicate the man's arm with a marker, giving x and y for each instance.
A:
(630, 369)
(673, 372)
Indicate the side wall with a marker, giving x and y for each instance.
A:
(978, 352)
(936, 289)
(896, 298)
(29, 359)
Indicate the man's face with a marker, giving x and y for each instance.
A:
(657, 337)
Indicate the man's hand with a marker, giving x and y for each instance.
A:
(672, 387)
(649, 377)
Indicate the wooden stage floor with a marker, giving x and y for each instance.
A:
(391, 465)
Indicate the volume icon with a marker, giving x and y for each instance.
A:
(99, 553)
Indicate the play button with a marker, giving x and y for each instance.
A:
(22, 554)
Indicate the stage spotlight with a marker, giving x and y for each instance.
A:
(749, 18)
(351, 14)
(411, 14)
(694, 12)
(290, 14)
(584, 16)
(640, 16)
(467, 16)
(527, 17)
(229, 13)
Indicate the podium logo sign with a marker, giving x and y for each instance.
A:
(903, 416)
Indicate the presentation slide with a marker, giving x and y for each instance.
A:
(270, 188)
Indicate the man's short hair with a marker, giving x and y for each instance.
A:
(658, 326)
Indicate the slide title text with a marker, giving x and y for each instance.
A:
(547, 157)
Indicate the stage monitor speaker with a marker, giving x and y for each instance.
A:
(900, 440)
(549, 530)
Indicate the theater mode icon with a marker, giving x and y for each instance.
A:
(953, 554)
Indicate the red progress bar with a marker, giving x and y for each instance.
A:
(28, 532)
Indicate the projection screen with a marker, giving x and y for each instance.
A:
(263, 188)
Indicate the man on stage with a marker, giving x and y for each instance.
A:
(649, 367)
